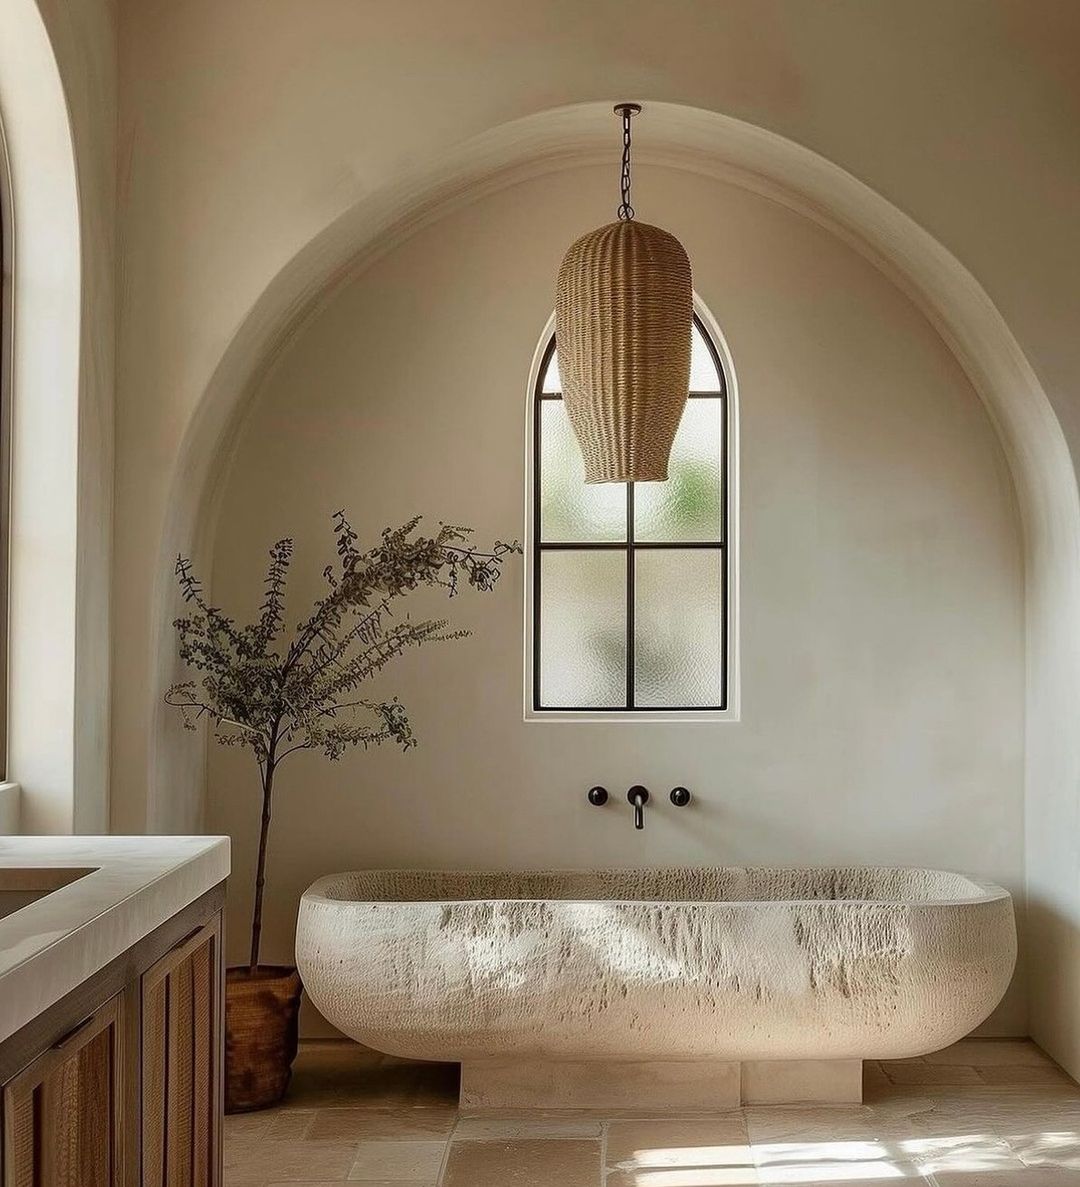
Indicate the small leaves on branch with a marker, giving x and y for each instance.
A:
(276, 694)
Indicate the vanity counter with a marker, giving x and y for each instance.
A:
(134, 886)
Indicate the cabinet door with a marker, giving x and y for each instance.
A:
(182, 1064)
(63, 1115)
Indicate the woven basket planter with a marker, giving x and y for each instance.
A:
(624, 311)
(262, 1007)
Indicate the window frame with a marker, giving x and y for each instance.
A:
(727, 547)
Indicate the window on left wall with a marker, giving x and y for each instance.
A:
(5, 424)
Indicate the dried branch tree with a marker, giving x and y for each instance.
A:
(276, 696)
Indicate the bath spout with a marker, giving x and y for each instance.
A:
(639, 797)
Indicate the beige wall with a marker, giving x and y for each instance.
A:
(882, 621)
(247, 128)
(239, 149)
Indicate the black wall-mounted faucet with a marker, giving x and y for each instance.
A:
(639, 797)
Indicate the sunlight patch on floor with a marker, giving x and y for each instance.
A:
(699, 1176)
(961, 1152)
(849, 1161)
(774, 1162)
(693, 1156)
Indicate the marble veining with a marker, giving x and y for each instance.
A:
(659, 964)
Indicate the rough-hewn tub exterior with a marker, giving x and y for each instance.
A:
(664, 965)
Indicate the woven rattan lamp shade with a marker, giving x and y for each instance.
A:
(624, 311)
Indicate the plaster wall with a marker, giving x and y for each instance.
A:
(246, 130)
(882, 590)
(238, 150)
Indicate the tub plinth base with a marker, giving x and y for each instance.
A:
(689, 1085)
(801, 1081)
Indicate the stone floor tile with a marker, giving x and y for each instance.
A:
(809, 1123)
(1007, 1117)
(1035, 1176)
(721, 1176)
(1016, 1125)
(713, 1142)
(292, 1124)
(972, 1152)
(904, 1071)
(352, 1124)
(989, 1052)
(483, 1128)
(244, 1125)
(556, 1162)
(976, 1099)
(406, 1161)
(877, 1174)
(254, 1162)
(1049, 1143)
(941, 1120)
(1044, 1073)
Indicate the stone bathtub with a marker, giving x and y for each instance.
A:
(686, 988)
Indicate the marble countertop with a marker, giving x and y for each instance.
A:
(136, 883)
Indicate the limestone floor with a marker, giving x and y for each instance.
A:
(985, 1113)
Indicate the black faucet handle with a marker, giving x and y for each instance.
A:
(597, 796)
(680, 796)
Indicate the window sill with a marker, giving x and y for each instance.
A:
(9, 809)
(637, 716)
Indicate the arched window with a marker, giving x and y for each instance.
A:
(631, 583)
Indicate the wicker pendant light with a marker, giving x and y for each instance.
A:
(624, 311)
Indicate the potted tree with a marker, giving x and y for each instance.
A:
(277, 692)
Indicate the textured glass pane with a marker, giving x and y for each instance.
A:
(552, 382)
(687, 506)
(582, 629)
(570, 511)
(678, 617)
(703, 374)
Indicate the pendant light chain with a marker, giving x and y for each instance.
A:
(626, 110)
(624, 319)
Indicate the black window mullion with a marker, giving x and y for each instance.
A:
(616, 545)
(630, 546)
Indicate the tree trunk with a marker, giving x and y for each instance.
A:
(260, 869)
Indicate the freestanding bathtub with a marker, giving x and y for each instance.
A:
(696, 987)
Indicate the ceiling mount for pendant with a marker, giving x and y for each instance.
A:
(624, 310)
(627, 111)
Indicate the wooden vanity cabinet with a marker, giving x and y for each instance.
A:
(181, 1061)
(64, 1114)
(120, 1083)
